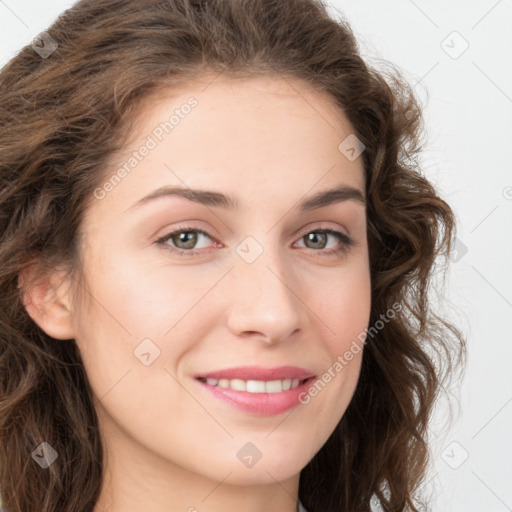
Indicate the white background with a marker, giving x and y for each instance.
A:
(468, 107)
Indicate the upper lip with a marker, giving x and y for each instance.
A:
(259, 373)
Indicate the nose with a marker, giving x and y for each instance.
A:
(264, 301)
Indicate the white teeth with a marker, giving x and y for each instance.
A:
(273, 386)
(237, 384)
(223, 383)
(255, 386)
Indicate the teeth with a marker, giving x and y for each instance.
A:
(237, 384)
(255, 386)
(223, 383)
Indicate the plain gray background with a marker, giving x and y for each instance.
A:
(458, 55)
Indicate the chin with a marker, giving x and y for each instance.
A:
(275, 463)
(264, 473)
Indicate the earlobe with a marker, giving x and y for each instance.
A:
(47, 301)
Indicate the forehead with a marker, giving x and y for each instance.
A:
(246, 137)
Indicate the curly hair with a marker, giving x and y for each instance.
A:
(62, 120)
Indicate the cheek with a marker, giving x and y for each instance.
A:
(137, 307)
(344, 311)
(341, 311)
(143, 296)
(344, 307)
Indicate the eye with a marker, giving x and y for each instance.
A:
(183, 240)
(318, 240)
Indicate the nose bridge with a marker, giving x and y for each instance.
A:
(263, 298)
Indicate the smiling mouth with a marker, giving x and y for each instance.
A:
(255, 386)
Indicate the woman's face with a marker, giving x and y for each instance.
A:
(248, 280)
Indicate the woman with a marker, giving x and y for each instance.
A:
(216, 249)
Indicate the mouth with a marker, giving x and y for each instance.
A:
(257, 390)
(254, 386)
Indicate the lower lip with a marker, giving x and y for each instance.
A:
(267, 404)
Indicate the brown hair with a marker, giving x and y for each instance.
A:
(62, 118)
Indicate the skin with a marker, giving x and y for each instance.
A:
(270, 143)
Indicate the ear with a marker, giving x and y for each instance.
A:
(46, 297)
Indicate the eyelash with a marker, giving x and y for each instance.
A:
(346, 241)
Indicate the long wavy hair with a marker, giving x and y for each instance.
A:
(62, 119)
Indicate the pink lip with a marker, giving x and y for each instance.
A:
(266, 404)
(260, 373)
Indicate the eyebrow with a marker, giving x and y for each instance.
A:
(216, 199)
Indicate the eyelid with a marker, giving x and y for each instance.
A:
(322, 227)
